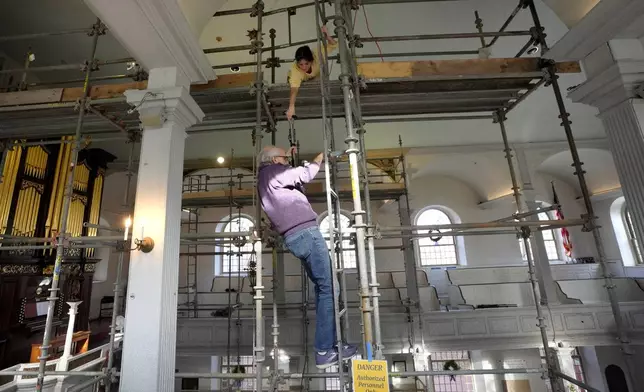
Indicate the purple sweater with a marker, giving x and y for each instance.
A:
(280, 193)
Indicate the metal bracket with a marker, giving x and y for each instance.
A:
(257, 8)
(356, 41)
(98, 28)
(525, 232)
(273, 62)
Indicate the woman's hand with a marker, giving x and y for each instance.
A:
(290, 112)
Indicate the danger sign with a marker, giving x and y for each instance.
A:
(370, 376)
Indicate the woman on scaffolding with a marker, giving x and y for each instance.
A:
(305, 67)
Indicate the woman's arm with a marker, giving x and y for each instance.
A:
(291, 103)
(328, 37)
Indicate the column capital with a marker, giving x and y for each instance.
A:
(615, 73)
(159, 106)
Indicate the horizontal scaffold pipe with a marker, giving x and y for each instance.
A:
(423, 37)
(243, 376)
(486, 225)
(20, 37)
(50, 373)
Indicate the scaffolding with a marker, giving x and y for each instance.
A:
(353, 107)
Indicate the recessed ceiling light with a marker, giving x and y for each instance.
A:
(220, 160)
(235, 68)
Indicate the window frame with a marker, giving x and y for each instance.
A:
(220, 259)
(466, 381)
(354, 256)
(636, 250)
(456, 242)
(556, 238)
(628, 253)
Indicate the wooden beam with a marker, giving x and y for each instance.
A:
(410, 69)
(104, 91)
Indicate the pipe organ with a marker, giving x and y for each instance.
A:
(32, 191)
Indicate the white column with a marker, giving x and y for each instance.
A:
(546, 282)
(615, 71)
(166, 109)
(64, 360)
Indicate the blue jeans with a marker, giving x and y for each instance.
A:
(310, 247)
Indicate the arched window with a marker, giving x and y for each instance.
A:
(630, 232)
(234, 259)
(629, 247)
(550, 241)
(348, 248)
(443, 250)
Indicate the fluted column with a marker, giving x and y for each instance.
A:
(166, 109)
(615, 72)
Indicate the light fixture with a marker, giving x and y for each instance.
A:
(235, 69)
(220, 160)
(533, 50)
(130, 65)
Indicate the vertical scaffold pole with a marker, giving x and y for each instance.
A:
(593, 227)
(259, 350)
(371, 255)
(551, 362)
(585, 193)
(353, 149)
(97, 30)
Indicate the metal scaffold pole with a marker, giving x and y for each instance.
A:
(334, 216)
(97, 30)
(353, 149)
(551, 361)
(359, 123)
(259, 350)
(590, 216)
(593, 227)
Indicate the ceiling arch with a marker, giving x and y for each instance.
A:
(601, 174)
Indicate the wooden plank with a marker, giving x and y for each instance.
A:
(226, 81)
(35, 96)
(104, 91)
(410, 69)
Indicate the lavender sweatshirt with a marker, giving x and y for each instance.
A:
(280, 192)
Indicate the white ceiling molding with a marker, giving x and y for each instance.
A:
(157, 34)
(612, 86)
(607, 20)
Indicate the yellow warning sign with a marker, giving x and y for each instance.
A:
(370, 376)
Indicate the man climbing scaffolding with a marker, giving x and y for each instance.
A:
(305, 67)
(280, 193)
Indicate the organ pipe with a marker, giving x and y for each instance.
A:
(33, 187)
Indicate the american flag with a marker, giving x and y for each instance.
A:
(565, 235)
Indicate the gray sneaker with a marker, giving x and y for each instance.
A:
(326, 359)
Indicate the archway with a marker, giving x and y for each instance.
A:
(616, 379)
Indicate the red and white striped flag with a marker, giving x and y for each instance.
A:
(565, 235)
